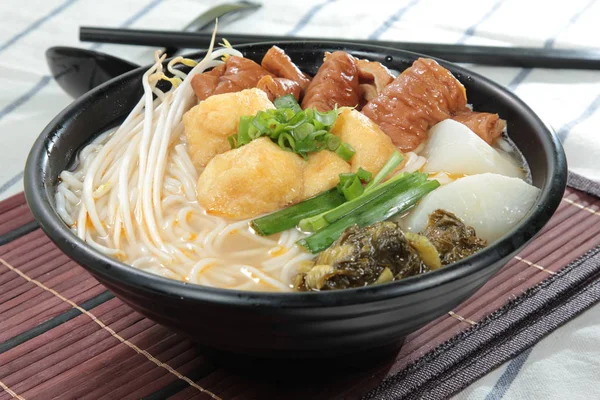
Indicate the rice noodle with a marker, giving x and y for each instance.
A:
(414, 162)
(132, 196)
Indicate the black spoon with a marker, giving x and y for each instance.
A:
(77, 71)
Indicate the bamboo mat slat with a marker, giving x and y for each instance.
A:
(62, 335)
(14, 213)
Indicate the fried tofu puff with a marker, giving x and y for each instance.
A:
(255, 179)
(373, 147)
(208, 124)
(322, 172)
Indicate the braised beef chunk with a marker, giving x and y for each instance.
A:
(336, 83)
(277, 87)
(486, 125)
(205, 84)
(279, 64)
(373, 77)
(420, 97)
(238, 73)
(277, 77)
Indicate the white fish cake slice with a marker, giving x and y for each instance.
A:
(492, 204)
(455, 149)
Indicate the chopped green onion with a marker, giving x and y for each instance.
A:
(303, 147)
(310, 113)
(364, 175)
(293, 129)
(391, 164)
(384, 207)
(287, 101)
(232, 139)
(253, 133)
(333, 142)
(318, 136)
(304, 131)
(345, 151)
(260, 122)
(288, 217)
(275, 127)
(297, 120)
(326, 118)
(286, 142)
(344, 178)
(352, 188)
(318, 126)
(288, 114)
(243, 134)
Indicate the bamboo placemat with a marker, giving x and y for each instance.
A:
(62, 335)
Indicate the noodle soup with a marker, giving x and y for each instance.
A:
(135, 191)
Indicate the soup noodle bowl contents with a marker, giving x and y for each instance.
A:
(224, 180)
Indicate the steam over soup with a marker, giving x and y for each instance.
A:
(260, 177)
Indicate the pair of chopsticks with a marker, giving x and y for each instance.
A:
(527, 57)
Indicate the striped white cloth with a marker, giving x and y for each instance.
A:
(564, 365)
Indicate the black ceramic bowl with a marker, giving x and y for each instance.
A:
(293, 325)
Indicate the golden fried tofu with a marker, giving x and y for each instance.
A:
(373, 147)
(208, 124)
(322, 172)
(254, 179)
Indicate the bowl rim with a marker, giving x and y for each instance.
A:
(109, 269)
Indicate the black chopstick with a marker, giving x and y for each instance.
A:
(529, 57)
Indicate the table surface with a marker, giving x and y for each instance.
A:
(565, 364)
